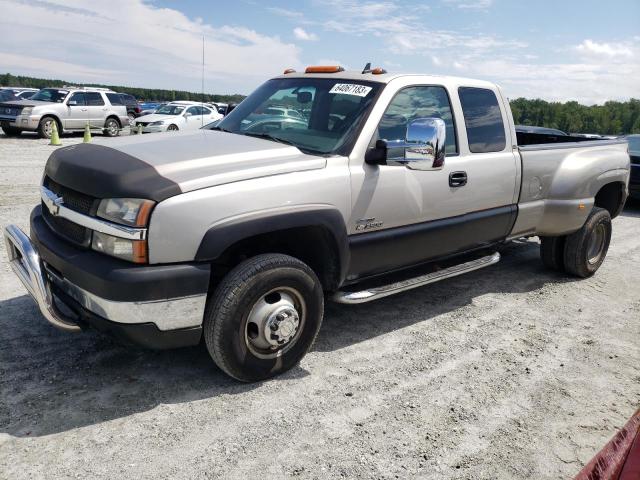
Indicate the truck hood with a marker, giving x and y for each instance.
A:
(159, 166)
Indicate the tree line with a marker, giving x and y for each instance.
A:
(612, 118)
(142, 94)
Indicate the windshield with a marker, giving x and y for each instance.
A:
(50, 95)
(634, 144)
(319, 115)
(7, 95)
(169, 110)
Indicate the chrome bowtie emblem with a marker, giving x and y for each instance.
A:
(51, 200)
(8, 110)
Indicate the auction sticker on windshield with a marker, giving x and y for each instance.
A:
(350, 89)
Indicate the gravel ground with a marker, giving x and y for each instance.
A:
(505, 373)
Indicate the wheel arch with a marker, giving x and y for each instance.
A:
(611, 197)
(115, 117)
(318, 237)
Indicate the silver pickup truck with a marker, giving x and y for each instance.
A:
(237, 233)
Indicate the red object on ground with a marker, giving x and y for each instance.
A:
(620, 458)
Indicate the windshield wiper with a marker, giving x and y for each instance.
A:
(266, 136)
(221, 129)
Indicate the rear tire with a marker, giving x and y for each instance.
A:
(11, 131)
(45, 127)
(132, 119)
(586, 249)
(111, 127)
(263, 317)
(552, 252)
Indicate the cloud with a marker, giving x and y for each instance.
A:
(469, 4)
(133, 42)
(302, 34)
(606, 49)
(285, 12)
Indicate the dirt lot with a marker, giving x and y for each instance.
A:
(509, 372)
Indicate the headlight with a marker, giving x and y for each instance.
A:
(127, 211)
(26, 111)
(134, 212)
(161, 122)
(131, 250)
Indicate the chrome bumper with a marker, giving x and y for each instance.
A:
(167, 314)
(26, 264)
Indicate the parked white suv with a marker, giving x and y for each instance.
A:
(72, 108)
(178, 116)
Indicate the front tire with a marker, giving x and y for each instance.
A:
(172, 128)
(585, 250)
(263, 317)
(45, 127)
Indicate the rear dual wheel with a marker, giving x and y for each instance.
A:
(582, 252)
(263, 317)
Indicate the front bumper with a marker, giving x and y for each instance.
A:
(24, 122)
(153, 306)
(150, 128)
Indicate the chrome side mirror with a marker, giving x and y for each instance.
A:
(423, 147)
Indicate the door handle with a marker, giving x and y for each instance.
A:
(457, 179)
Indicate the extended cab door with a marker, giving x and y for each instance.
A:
(403, 217)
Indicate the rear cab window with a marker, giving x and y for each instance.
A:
(483, 120)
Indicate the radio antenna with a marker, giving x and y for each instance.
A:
(202, 98)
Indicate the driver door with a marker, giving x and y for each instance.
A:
(403, 217)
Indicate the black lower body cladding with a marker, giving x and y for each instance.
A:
(115, 279)
(387, 250)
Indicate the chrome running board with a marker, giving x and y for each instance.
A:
(404, 285)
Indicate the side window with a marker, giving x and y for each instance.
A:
(77, 97)
(205, 111)
(482, 117)
(194, 110)
(115, 98)
(94, 99)
(418, 102)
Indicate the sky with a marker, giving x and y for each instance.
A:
(584, 50)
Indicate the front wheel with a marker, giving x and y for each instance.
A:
(172, 128)
(45, 127)
(263, 317)
(585, 250)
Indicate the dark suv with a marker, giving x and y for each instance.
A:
(133, 108)
(634, 154)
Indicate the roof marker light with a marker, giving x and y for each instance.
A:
(289, 70)
(324, 69)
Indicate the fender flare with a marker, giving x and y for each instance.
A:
(223, 236)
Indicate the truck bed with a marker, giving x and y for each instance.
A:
(559, 181)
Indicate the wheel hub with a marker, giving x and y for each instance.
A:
(282, 326)
(274, 322)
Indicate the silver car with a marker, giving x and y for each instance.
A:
(71, 108)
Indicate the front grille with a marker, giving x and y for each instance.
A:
(68, 230)
(74, 200)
